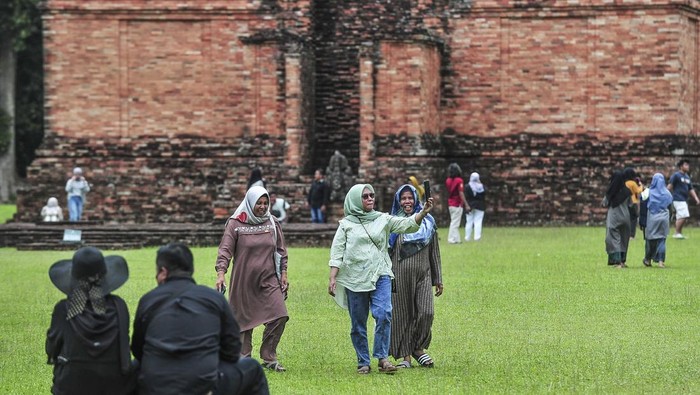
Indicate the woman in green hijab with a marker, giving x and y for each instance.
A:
(360, 278)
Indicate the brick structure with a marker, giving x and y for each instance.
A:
(167, 105)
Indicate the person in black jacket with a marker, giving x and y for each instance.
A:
(474, 191)
(319, 195)
(88, 340)
(186, 338)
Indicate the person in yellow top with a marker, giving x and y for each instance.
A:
(419, 188)
(636, 189)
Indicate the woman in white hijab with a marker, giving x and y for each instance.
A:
(254, 244)
(474, 192)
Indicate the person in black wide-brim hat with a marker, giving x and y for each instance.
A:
(88, 340)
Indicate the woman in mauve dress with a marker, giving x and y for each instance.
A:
(258, 285)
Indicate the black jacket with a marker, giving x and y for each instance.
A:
(319, 193)
(476, 201)
(181, 332)
(90, 352)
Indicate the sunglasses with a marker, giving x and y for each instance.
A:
(366, 196)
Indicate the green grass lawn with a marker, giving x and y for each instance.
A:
(525, 310)
(6, 212)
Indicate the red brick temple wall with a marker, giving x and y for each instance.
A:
(167, 105)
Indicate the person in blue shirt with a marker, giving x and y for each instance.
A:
(681, 186)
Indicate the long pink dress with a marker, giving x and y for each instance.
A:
(255, 293)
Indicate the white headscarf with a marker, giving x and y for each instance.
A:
(247, 205)
(244, 213)
(475, 184)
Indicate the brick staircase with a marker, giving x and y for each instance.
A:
(42, 236)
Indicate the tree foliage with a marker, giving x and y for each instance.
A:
(20, 20)
(29, 102)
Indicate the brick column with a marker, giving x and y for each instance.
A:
(294, 127)
(367, 116)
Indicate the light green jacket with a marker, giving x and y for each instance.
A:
(359, 261)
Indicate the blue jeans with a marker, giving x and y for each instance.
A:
(359, 305)
(317, 216)
(75, 208)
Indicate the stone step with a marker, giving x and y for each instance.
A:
(30, 236)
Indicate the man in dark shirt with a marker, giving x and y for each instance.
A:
(681, 187)
(319, 194)
(186, 338)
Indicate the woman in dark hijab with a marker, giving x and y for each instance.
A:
(88, 340)
(617, 223)
(417, 266)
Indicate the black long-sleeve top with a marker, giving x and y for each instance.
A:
(476, 201)
(181, 332)
(319, 193)
(90, 352)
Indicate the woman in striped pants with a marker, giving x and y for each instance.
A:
(417, 267)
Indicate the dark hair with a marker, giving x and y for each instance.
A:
(255, 175)
(176, 257)
(320, 171)
(681, 163)
(454, 170)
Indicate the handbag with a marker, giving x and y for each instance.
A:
(393, 284)
(278, 259)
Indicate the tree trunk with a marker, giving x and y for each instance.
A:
(8, 68)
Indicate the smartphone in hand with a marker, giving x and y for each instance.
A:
(426, 188)
(223, 290)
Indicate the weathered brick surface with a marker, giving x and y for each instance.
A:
(169, 104)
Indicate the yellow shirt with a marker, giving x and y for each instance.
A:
(635, 189)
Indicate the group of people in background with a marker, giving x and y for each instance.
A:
(464, 198)
(629, 202)
(189, 338)
(77, 188)
(316, 201)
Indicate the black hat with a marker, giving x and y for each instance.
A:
(87, 262)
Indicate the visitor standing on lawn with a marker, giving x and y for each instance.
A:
(253, 240)
(657, 221)
(360, 271)
(456, 201)
(475, 193)
(617, 222)
(417, 267)
(681, 187)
